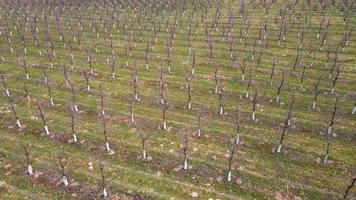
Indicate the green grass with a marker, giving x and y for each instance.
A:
(259, 172)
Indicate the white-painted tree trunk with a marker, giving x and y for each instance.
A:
(144, 154)
(229, 176)
(76, 108)
(46, 129)
(74, 138)
(329, 129)
(221, 110)
(237, 141)
(289, 122)
(164, 125)
(243, 77)
(107, 146)
(332, 90)
(185, 164)
(277, 99)
(105, 193)
(253, 115)
(29, 170)
(326, 158)
(216, 89)
(132, 118)
(247, 94)
(354, 110)
(88, 88)
(189, 105)
(18, 123)
(279, 148)
(27, 76)
(136, 97)
(51, 100)
(314, 104)
(65, 181)
(7, 92)
(199, 132)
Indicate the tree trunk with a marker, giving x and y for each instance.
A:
(185, 164)
(65, 180)
(349, 188)
(46, 129)
(29, 170)
(229, 176)
(107, 146)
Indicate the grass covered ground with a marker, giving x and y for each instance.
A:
(258, 171)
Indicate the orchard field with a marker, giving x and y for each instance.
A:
(177, 99)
